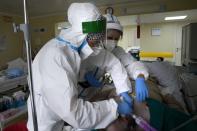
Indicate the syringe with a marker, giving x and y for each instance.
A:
(143, 124)
(140, 121)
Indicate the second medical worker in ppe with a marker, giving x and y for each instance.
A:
(135, 69)
(92, 72)
(55, 76)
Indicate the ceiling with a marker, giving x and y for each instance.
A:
(158, 17)
(46, 7)
(122, 7)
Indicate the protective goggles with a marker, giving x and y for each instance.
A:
(97, 26)
(96, 31)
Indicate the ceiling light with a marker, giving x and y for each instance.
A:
(176, 17)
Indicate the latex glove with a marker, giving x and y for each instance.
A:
(141, 89)
(126, 97)
(124, 108)
(92, 80)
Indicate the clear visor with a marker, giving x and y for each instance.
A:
(96, 43)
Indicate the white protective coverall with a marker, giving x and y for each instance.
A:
(55, 77)
(133, 67)
(104, 62)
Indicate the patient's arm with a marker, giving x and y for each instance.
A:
(121, 124)
(173, 103)
(124, 124)
(128, 124)
(141, 109)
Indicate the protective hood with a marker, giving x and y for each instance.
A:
(78, 13)
(113, 23)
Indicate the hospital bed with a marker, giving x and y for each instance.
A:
(8, 84)
(190, 91)
(6, 87)
(186, 82)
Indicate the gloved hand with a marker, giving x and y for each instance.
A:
(92, 80)
(124, 108)
(125, 105)
(141, 89)
(127, 98)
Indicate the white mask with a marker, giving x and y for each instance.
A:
(85, 51)
(110, 44)
(96, 50)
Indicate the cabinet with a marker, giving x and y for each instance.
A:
(189, 47)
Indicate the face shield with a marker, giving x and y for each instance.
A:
(96, 32)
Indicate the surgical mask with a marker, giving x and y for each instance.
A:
(96, 50)
(110, 44)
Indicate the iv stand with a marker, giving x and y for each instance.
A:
(25, 29)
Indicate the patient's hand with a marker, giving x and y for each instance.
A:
(141, 109)
(121, 124)
(127, 124)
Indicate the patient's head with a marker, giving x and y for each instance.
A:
(121, 124)
(160, 59)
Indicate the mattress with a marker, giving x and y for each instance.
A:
(8, 84)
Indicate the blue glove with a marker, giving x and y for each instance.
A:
(92, 80)
(126, 98)
(124, 108)
(141, 89)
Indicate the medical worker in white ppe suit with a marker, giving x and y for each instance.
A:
(135, 69)
(93, 70)
(55, 76)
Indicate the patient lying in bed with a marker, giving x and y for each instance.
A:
(159, 115)
(162, 112)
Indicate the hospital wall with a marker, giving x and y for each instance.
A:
(169, 39)
(166, 42)
(13, 46)
(43, 29)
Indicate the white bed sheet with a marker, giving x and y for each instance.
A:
(8, 84)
